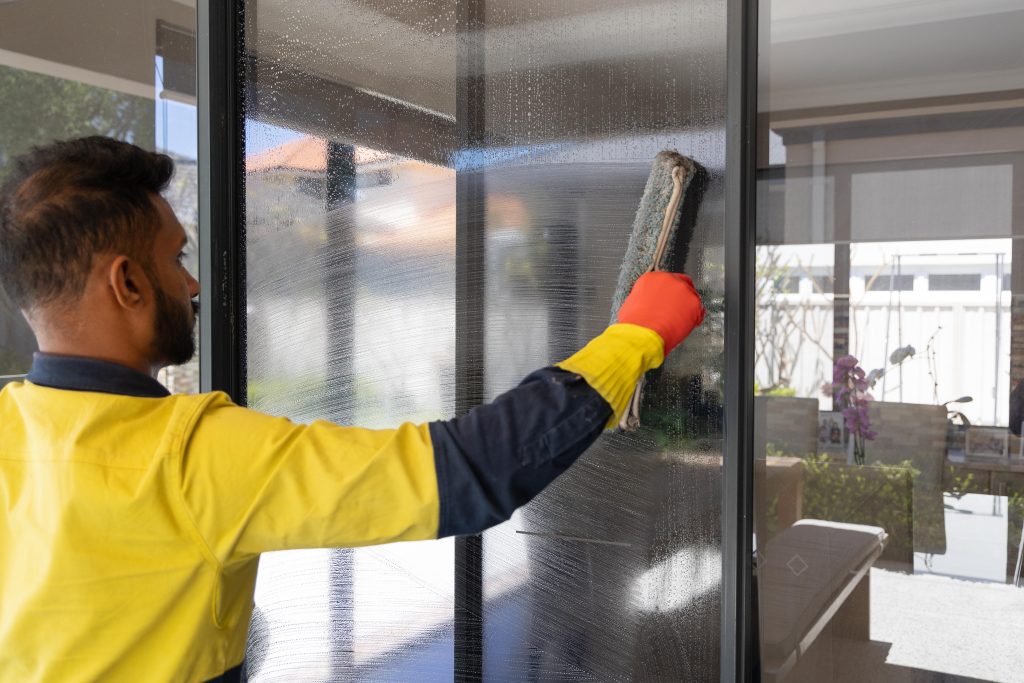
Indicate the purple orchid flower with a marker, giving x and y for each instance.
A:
(849, 390)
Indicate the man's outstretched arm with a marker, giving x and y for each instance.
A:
(256, 483)
(499, 456)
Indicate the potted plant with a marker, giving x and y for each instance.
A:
(849, 392)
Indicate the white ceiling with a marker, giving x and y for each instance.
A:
(806, 19)
(111, 44)
(876, 50)
(349, 41)
(821, 52)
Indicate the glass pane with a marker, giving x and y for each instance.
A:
(356, 165)
(613, 573)
(889, 475)
(350, 239)
(71, 70)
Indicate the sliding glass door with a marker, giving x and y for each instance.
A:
(350, 261)
(888, 340)
(438, 196)
(613, 573)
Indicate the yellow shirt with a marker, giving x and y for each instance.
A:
(135, 534)
(130, 527)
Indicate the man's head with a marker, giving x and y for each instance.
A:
(91, 253)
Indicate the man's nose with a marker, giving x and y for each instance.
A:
(193, 286)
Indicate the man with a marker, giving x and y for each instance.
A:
(131, 520)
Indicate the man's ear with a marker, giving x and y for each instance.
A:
(128, 283)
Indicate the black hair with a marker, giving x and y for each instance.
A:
(65, 202)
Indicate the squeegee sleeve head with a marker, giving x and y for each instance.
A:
(657, 222)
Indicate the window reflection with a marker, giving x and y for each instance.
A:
(350, 260)
(122, 70)
(514, 140)
(889, 473)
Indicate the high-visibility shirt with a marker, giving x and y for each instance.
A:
(131, 520)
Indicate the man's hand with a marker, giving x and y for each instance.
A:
(664, 302)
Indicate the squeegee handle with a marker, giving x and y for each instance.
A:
(631, 418)
(666, 223)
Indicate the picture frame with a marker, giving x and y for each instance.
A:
(832, 433)
(986, 442)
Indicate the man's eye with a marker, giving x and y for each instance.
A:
(182, 256)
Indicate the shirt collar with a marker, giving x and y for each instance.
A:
(88, 374)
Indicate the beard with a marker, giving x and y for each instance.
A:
(175, 329)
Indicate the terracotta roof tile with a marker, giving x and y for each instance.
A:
(305, 154)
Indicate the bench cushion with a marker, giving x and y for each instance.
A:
(801, 571)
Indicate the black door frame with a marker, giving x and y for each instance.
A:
(220, 108)
(739, 654)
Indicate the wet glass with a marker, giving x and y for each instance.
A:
(438, 199)
(613, 573)
(889, 475)
(350, 261)
(122, 70)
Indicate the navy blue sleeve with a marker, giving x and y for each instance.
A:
(500, 455)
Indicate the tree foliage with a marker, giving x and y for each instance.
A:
(39, 109)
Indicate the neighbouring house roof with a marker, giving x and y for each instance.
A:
(307, 154)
